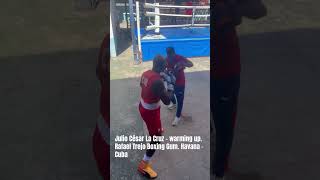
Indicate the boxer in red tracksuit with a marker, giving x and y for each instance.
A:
(225, 77)
(152, 91)
(101, 132)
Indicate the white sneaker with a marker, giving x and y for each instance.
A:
(171, 106)
(175, 121)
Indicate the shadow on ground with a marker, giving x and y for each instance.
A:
(49, 106)
(124, 40)
(277, 131)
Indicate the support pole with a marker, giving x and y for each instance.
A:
(193, 15)
(132, 26)
(126, 15)
(138, 27)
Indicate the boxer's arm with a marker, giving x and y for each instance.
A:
(159, 90)
(183, 63)
(186, 62)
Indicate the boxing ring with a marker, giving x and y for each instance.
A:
(190, 39)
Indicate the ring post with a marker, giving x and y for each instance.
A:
(193, 13)
(157, 18)
(138, 29)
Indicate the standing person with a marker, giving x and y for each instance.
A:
(225, 77)
(177, 64)
(189, 11)
(101, 132)
(152, 91)
(177, 10)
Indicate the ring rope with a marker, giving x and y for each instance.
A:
(174, 26)
(194, 16)
(174, 15)
(149, 5)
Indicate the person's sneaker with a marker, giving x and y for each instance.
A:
(175, 121)
(171, 106)
(145, 169)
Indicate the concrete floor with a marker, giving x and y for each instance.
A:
(126, 120)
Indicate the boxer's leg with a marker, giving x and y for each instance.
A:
(145, 166)
(153, 123)
(179, 92)
(180, 98)
(234, 101)
(225, 93)
(173, 102)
